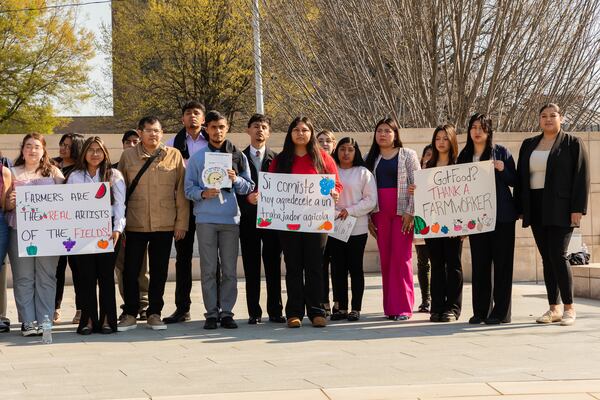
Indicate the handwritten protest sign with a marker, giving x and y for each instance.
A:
(455, 200)
(343, 228)
(295, 202)
(64, 219)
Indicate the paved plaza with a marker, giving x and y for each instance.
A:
(370, 359)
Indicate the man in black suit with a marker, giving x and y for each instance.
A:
(259, 157)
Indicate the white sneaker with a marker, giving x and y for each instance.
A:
(568, 318)
(28, 329)
(127, 323)
(548, 317)
(155, 323)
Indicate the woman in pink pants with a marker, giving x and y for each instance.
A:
(391, 223)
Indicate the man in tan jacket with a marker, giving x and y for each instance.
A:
(157, 212)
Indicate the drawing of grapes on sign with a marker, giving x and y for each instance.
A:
(327, 185)
(69, 244)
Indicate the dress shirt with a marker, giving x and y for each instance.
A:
(257, 156)
(192, 145)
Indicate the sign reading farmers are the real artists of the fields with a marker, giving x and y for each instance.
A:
(295, 202)
(64, 219)
(455, 200)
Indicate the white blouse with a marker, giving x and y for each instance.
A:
(359, 196)
(537, 168)
(117, 185)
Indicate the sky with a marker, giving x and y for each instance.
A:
(92, 16)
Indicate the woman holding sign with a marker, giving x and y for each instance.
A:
(357, 200)
(92, 166)
(552, 196)
(303, 251)
(496, 247)
(34, 277)
(445, 252)
(392, 222)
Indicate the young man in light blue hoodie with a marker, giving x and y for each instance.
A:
(217, 222)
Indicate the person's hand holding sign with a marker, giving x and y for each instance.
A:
(252, 198)
(115, 237)
(232, 175)
(499, 165)
(335, 195)
(343, 214)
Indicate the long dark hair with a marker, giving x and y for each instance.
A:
(105, 167)
(451, 132)
(358, 160)
(77, 140)
(374, 151)
(285, 159)
(45, 166)
(466, 155)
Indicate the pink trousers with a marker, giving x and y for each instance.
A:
(395, 254)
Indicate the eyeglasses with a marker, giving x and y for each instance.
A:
(151, 131)
(95, 151)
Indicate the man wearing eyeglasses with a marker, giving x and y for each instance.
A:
(157, 213)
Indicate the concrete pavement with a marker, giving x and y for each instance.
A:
(370, 359)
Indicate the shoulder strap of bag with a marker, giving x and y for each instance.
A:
(137, 178)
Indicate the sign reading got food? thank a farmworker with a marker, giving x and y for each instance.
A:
(295, 202)
(455, 200)
(64, 219)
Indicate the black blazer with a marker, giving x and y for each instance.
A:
(566, 185)
(248, 211)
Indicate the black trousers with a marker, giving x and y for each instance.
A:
(446, 275)
(303, 254)
(60, 282)
(423, 272)
(348, 258)
(326, 264)
(552, 243)
(183, 265)
(159, 251)
(250, 240)
(97, 270)
(492, 297)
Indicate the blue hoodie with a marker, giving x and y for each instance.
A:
(211, 211)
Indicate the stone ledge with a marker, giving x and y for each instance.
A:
(586, 280)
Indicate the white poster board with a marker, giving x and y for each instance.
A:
(343, 228)
(214, 174)
(64, 219)
(455, 200)
(295, 202)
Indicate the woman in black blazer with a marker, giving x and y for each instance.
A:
(552, 195)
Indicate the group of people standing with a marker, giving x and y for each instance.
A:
(158, 195)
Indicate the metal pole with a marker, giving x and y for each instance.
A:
(260, 106)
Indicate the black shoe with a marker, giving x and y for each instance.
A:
(393, 317)
(279, 320)
(86, 330)
(474, 320)
(353, 315)
(254, 320)
(210, 323)
(447, 317)
(425, 307)
(4, 327)
(177, 316)
(339, 315)
(143, 316)
(228, 323)
(107, 330)
(492, 321)
(434, 317)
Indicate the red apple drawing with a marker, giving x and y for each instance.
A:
(293, 227)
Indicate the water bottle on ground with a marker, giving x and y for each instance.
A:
(47, 330)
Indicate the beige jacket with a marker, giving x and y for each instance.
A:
(158, 202)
